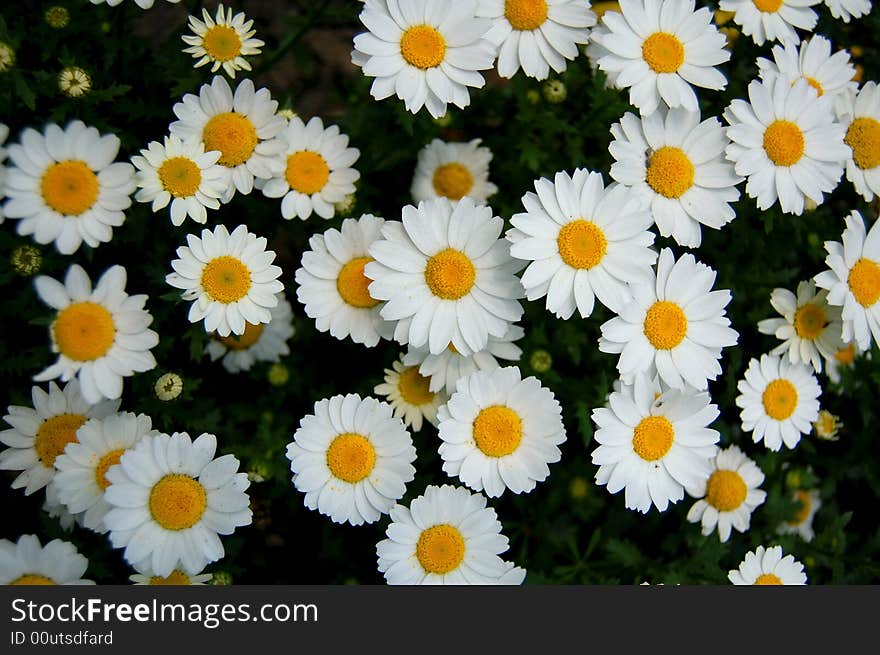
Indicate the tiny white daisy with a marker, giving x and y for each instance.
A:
(178, 577)
(223, 41)
(862, 122)
(801, 522)
(453, 170)
(772, 20)
(848, 9)
(767, 566)
(407, 392)
(27, 562)
(4, 133)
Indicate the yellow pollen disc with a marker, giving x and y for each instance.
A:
(582, 244)
(864, 282)
(54, 434)
(177, 577)
(423, 46)
(226, 279)
(453, 181)
(497, 431)
(233, 135)
(768, 579)
(104, 465)
(525, 15)
(353, 284)
(663, 52)
(669, 172)
(413, 387)
(780, 399)
(846, 356)
(177, 502)
(810, 321)
(222, 43)
(804, 512)
(768, 6)
(180, 176)
(84, 331)
(863, 136)
(244, 341)
(440, 549)
(665, 325)
(33, 579)
(307, 172)
(653, 437)
(69, 187)
(784, 143)
(726, 490)
(450, 274)
(351, 457)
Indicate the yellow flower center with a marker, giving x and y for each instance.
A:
(582, 244)
(180, 176)
(665, 325)
(810, 321)
(670, 173)
(864, 282)
(847, 355)
(423, 46)
(177, 577)
(497, 431)
(33, 579)
(414, 387)
(351, 457)
(244, 341)
(525, 15)
(663, 52)
(104, 465)
(440, 549)
(177, 501)
(768, 578)
(780, 399)
(54, 434)
(307, 172)
(450, 274)
(226, 279)
(784, 143)
(803, 512)
(69, 187)
(233, 135)
(84, 331)
(222, 43)
(353, 284)
(768, 6)
(653, 437)
(863, 136)
(813, 82)
(453, 181)
(726, 490)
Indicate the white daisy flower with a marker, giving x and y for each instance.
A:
(676, 326)
(261, 342)
(848, 9)
(223, 41)
(65, 188)
(787, 143)
(446, 536)
(453, 170)
(101, 335)
(676, 165)
(843, 358)
(861, 120)
(730, 494)
(772, 20)
(352, 459)
(407, 392)
(582, 241)
(27, 562)
(82, 467)
(170, 499)
(38, 435)
(229, 278)
(537, 35)
(801, 522)
(447, 276)
(767, 566)
(654, 445)
(427, 52)
(143, 4)
(240, 126)
(333, 286)
(853, 281)
(779, 401)
(4, 133)
(178, 577)
(660, 50)
(809, 329)
(318, 169)
(500, 431)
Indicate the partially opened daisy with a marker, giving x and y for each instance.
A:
(447, 275)
(676, 325)
(537, 35)
(4, 133)
(730, 494)
(846, 10)
(582, 241)
(317, 170)
(27, 562)
(101, 335)
(333, 286)
(446, 536)
(676, 165)
(427, 52)
(222, 41)
(801, 522)
(862, 122)
(772, 20)
(453, 170)
(351, 459)
(229, 278)
(660, 50)
(779, 401)
(767, 566)
(654, 444)
(171, 499)
(178, 578)
(407, 392)
(39, 434)
(64, 186)
(786, 142)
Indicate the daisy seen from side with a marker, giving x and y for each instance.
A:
(453, 170)
(808, 502)
(223, 41)
(767, 566)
